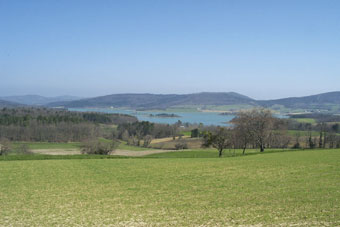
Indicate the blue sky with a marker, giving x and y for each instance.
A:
(263, 49)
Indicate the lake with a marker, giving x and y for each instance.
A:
(207, 118)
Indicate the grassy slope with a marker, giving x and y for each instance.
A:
(213, 153)
(48, 145)
(280, 188)
(306, 120)
(74, 145)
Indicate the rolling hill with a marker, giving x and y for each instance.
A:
(158, 101)
(329, 102)
(320, 99)
(4, 103)
(37, 100)
(326, 102)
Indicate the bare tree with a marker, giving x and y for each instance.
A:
(297, 141)
(255, 125)
(147, 140)
(243, 129)
(219, 139)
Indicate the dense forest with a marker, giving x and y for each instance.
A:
(53, 125)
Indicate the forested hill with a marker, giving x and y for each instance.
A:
(37, 100)
(4, 103)
(149, 101)
(306, 101)
(321, 102)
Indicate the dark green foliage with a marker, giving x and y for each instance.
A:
(195, 133)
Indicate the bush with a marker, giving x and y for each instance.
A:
(181, 145)
(5, 146)
(98, 147)
(24, 149)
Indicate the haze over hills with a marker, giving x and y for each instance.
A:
(329, 102)
(4, 103)
(326, 102)
(160, 101)
(306, 101)
(37, 100)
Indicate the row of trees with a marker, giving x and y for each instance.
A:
(51, 125)
(134, 133)
(259, 129)
(25, 116)
(256, 128)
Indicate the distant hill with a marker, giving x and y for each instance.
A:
(326, 102)
(320, 101)
(158, 101)
(37, 100)
(4, 103)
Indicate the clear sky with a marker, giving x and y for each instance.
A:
(263, 49)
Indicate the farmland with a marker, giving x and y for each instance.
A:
(281, 188)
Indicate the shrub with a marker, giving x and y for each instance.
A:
(98, 147)
(181, 145)
(24, 149)
(5, 146)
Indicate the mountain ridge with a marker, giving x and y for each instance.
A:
(37, 100)
(329, 101)
(4, 103)
(162, 101)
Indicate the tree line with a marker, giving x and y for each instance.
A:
(53, 125)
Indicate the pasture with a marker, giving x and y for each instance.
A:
(282, 188)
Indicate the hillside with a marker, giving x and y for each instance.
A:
(327, 101)
(4, 103)
(159, 101)
(37, 100)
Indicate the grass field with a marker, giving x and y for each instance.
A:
(284, 188)
(306, 120)
(124, 146)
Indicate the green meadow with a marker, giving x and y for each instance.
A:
(306, 120)
(48, 145)
(274, 188)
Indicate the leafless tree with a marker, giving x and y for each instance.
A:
(147, 140)
(255, 125)
(243, 129)
(220, 139)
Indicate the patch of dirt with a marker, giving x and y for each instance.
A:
(119, 152)
(167, 139)
(56, 151)
(139, 153)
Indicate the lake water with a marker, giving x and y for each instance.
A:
(207, 118)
